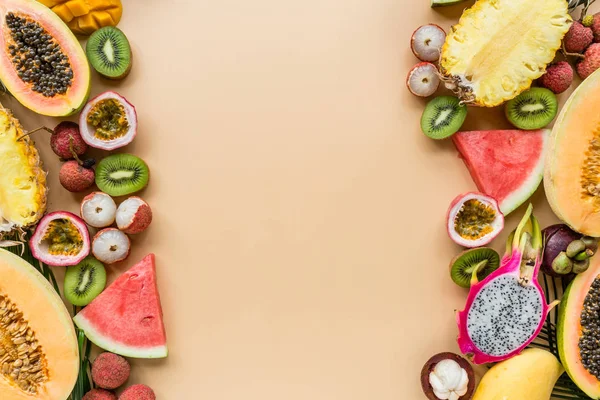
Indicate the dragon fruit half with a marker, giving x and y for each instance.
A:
(506, 311)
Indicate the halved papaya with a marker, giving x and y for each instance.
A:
(41, 61)
(572, 169)
(38, 345)
(578, 329)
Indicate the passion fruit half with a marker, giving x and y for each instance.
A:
(108, 121)
(60, 239)
(474, 219)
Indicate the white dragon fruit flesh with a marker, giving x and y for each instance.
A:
(506, 311)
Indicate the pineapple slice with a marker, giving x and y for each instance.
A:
(499, 47)
(22, 179)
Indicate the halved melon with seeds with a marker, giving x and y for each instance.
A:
(41, 61)
(38, 345)
(572, 170)
(500, 46)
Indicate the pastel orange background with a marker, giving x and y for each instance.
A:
(299, 211)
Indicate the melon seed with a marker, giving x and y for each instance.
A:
(474, 219)
(20, 353)
(37, 56)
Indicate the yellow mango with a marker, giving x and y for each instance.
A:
(84, 17)
(529, 376)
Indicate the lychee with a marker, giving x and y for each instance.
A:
(423, 80)
(133, 215)
(110, 245)
(138, 392)
(98, 210)
(591, 61)
(558, 77)
(74, 177)
(109, 371)
(99, 394)
(578, 38)
(66, 140)
(594, 24)
(426, 42)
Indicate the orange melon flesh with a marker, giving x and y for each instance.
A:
(60, 104)
(569, 329)
(576, 126)
(48, 318)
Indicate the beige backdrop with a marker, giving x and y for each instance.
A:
(299, 211)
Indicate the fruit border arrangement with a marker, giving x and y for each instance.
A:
(540, 341)
(44, 349)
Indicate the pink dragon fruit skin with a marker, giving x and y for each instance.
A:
(492, 326)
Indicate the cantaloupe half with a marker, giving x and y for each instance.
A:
(39, 356)
(572, 169)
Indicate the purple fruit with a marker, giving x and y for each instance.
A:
(556, 240)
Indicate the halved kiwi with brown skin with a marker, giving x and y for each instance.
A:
(482, 259)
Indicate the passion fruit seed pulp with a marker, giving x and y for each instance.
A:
(109, 119)
(22, 358)
(37, 57)
(63, 237)
(474, 219)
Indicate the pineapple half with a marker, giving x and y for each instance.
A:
(499, 47)
(22, 180)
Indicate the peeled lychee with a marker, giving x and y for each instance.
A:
(110, 245)
(133, 215)
(423, 80)
(578, 38)
(98, 210)
(66, 137)
(558, 77)
(99, 394)
(138, 392)
(109, 371)
(74, 177)
(591, 62)
(426, 42)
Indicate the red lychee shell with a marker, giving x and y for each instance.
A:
(60, 141)
(141, 219)
(109, 371)
(74, 177)
(99, 394)
(558, 77)
(591, 62)
(578, 38)
(596, 27)
(138, 392)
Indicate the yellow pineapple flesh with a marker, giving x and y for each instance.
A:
(499, 47)
(22, 180)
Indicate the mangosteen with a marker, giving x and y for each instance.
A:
(445, 374)
(566, 251)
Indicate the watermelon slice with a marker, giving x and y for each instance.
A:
(507, 165)
(127, 317)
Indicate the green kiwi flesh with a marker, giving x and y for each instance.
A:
(109, 52)
(84, 281)
(443, 116)
(463, 265)
(532, 109)
(122, 174)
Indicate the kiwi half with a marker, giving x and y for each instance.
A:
(533, 109)
(109, 52)
(122, 174)
(484, 259)
(443, 117)
(84, 281)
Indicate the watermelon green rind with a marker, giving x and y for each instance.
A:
(109, 344)
(488, 153)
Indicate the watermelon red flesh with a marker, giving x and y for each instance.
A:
(507, 165)
(126, 318)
